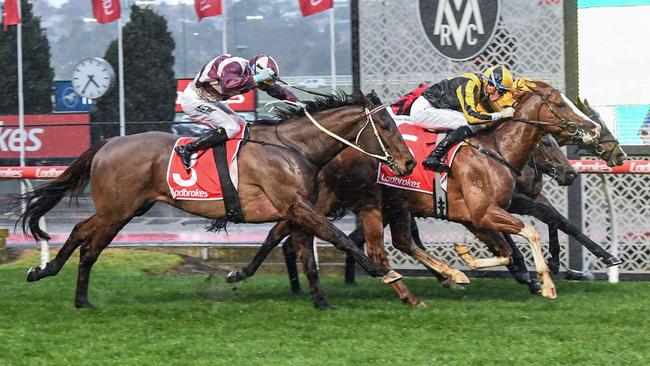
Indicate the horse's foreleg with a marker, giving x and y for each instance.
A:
(373, 229)
(290, 259)
(302, 213)
(77, 237)
(495, 218)
(310, 267)
(275, 236)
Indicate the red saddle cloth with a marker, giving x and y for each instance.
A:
(202, 181)
(421, 179)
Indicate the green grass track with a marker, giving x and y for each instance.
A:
(146, 317)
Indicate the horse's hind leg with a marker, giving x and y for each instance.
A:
(274, 237)
(310, 267)
(104, 232)
(303, 214)
(77, 237)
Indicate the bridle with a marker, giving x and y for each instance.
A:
(571, 128)
(547, 168)
(387, 158)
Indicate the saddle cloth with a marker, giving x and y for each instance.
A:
(202, 181)
(421, 180)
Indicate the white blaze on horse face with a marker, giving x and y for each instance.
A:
(582, 115)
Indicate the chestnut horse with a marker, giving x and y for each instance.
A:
(277, 168)
(547, 154)
(544, 104)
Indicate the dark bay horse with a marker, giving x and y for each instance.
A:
(277, 168)
(370, 197)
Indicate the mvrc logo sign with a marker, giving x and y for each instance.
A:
(460, 29)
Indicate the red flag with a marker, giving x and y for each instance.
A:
(10, 14)
(106, 11)
(309, 7)
(207, 8)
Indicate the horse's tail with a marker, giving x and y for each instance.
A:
(42, 199)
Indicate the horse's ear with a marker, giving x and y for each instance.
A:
(580, 105)
(373, 97)
(587, 104)
(364, 100)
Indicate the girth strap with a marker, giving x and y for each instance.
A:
(230, 195)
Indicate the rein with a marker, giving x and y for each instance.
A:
(369, 121)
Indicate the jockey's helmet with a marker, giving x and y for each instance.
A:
(262, 61)
(500, 77)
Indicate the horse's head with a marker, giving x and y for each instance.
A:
(383, 137)
(607, 147)
(549, 159)
(556, 114)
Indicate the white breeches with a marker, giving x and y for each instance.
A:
(426, 116)
(208, 113)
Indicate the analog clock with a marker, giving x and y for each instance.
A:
(92, 77)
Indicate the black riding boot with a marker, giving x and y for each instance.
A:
(209, 139)
(434, 160)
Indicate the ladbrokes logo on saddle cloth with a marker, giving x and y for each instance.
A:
(202, 181)
(421, 179)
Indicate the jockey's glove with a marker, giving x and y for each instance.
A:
(505, 113)
(264, 75)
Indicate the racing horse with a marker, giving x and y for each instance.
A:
(542, 109)
(277, 168)
(547, 154)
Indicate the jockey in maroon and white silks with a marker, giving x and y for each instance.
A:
(219, 80)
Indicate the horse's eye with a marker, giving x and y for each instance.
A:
(561, 105)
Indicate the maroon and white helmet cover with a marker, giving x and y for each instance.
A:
(262, 61)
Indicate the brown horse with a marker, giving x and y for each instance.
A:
(277, 168)
(548, 155)
(545, 104)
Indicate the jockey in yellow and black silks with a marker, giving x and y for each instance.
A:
(455, 104)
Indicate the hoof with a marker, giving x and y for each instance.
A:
(448, 283)
(420, 305)
(32, 274)
(460, 278)
(322, 305)
(549, 292)
(612, 261)
(235, 276)
(391, 277)
(84, 305)
(535, 288)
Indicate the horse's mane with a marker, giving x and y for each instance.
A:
(532, 86)
(339, 99)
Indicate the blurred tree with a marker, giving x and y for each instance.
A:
(38, 76)
(150, 87)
